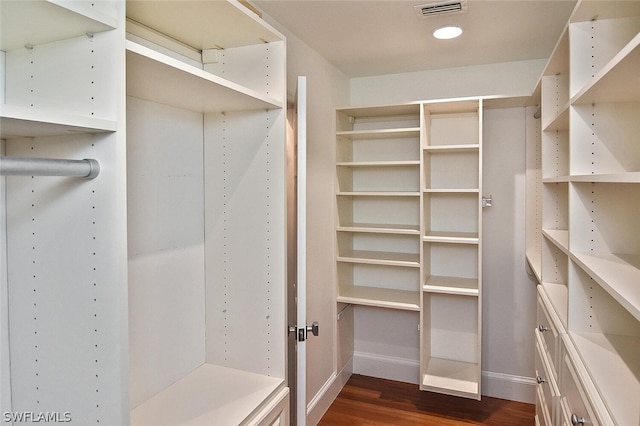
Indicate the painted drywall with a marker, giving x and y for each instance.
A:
(510, 78)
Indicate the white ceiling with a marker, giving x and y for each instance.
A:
(365, 37)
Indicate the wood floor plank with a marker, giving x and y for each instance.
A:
(368, 401)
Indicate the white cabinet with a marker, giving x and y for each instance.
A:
(589, 251)
(409, 227)
(155, 292)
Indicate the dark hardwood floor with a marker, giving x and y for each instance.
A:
(370, 401)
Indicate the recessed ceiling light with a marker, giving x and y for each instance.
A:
(448, 32)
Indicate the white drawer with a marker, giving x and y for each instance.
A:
(550, 336)
(547, 395)
(575, 407)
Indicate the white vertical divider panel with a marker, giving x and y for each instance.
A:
(5, 366)
(83, 69)
(258, 67)
(65, 272)
(166, 245)
(245, 240)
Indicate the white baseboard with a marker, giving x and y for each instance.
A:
(497, 385)
(320, 403)
(508, 386)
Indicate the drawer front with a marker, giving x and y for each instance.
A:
(575, 407)
(550, 336)
(543, 417)
(548, 394)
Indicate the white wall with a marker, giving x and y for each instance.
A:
(511, 78)
(509, 297)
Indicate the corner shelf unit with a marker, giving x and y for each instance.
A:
(590, 257)
(408, 192)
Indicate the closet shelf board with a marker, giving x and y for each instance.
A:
(211, 394)
(451, 377)
(617, 274)
(18, 121)
(380, 297)
(559, 122)
(452, 285)
(378, 164)
(534, 258)
(452, 190)
(380, 194)
(434, 149)
(159, 78)
(556, 179)
(48, 21)
(630, 177)
(618, 81)
(559, 237)
(451, 237)
(380, 258)
(408, 132)
(204, 24)
(378, 228)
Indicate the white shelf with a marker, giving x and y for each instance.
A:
(380, 258)
(451, 237)
(209, 395)
(453, 190)
(451, 377)
(204, 24)
(560, 121)
(191, 88)
(618, 81)
(17, 121)
(47, 21)
(378, 164)
(407, 132)
(434, 149)
(617, 274)
(556, 179)
(380, 297)
(558, 237)
(630, 177)
(613, 362)
(378, 228)
(452, 285)
(379, 194)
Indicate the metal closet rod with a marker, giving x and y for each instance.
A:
(23, 166)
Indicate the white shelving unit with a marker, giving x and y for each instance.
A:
(146, 295)
(408, 232)
(206, 150)
(378, 198)
(452, 253)
(62, 72)
(590, 254)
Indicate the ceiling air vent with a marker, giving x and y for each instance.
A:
(441, 7)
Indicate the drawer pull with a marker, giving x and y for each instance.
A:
(542, 328)
(575, 420)
(540, 380)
